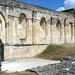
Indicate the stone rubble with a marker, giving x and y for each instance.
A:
(66, 67)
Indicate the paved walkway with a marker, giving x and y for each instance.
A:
(14, 65)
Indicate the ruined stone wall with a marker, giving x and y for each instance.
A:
(24, 25)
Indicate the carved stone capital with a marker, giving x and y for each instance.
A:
(52, 23)
(7, 25)
(27, 19)
(53, 20)
(11, 17)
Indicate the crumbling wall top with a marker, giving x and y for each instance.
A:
(5, 2)
(16, 4)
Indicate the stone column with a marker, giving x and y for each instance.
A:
(74, 30)
(51, 28)
(7, 33)
(17, 32)
(27, 30)
(62, 32)
(65, 26)
(14, 30)
(35, 25)
(37, 32)
(34, 31)
(65, 33)
(10, 29)
(16, 35)
(47, 32)
(73, 33)
(46, 29)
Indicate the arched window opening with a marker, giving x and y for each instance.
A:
(22, 19)
(58, 25)
(43, 27)
(22, 26)
(43, 23)
(71, 29)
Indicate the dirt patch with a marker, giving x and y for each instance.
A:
(20, 73)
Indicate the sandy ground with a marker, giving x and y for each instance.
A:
(17, 65)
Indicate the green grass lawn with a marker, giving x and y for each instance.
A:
(57, 52)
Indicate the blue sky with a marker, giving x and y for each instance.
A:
(52, 4)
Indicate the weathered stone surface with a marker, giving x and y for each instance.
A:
(22, 51)
(23, 25)
(66, 67)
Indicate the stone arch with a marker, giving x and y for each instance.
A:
(22, 26)
(22, 17)
(43, 27)
(2, 27)
(3, 17)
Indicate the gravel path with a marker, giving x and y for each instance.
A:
(14, 65)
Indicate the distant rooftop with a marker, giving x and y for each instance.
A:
(72, 10)
(68, 10)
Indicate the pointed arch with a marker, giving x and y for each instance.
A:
(22, 17)
(43, 23)
(58, 24)
(3, 17)
(43, 27)
(2, 27)
(22, 26)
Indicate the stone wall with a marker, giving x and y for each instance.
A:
(25, 24)
(23, 51)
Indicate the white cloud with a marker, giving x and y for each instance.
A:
(61, 9)
(68, 4)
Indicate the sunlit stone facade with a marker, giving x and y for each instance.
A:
(26, 30)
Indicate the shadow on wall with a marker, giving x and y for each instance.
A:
(0, 41)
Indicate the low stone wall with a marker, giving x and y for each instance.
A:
(23, 51)
(66, 67)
